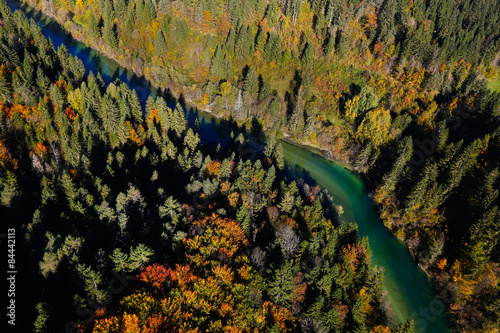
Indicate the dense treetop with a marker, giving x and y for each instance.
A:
(395, 89)
(97, 188)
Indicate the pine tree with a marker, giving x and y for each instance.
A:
(484, 237)
(93, 281)
(281, 286)
(329, 44)
(343, 44)
(272, 13)
(217, 68)
(42, 317)
(171, 209)
(231, 39)
(244, 40)
(462, 164)
(191, 140)
(261, 39)
(361, 164)
(5, 92)
(94, 31)
(416, 196)
(279, 157)
(310, 122)
(296, 123)
(308, 56)
(108, 12)
(129, 29)
(160, 45)
(178, 120)
(139, 256)
(252, 81)
(293, 9)
(441, 136)
(389, 181)
(149, 13)
(139, 10)
(265, 90)
(357, 311)
(120, 261)
(110, 35)
(273, 47)
(386, 18)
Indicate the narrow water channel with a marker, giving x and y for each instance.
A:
(410, 292)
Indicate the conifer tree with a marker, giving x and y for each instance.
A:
(94, 30)
(273, 47)
(296, 123)
(389, 181)
(109, 35)
(243, 42)
(272, 13)
(217, 66)
(160, 45)
(252, 81)
(149, 13)
(279, 156)
(308, 56)
(139, 256)
(120, 261)
(260, 41)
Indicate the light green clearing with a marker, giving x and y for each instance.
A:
(494, 84)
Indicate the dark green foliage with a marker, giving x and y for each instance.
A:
(109, 35)
(252, 81)
(217, 68)
(160, 44)
(308, 56)
(273, 47)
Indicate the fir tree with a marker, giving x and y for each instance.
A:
(160, 45)
(252, 81)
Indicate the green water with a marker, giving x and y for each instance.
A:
(410, 293)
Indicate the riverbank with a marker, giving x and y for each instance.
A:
(175, 89)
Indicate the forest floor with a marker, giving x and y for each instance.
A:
(495, 84)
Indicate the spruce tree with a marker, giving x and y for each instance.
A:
(149, 13)
(389, 181)
(273, 47)
(308, 56)
(94, 30)
(217, 66)
(272, 13)
(110, 35)
(260, 41)
(160, 45)
(251, 81)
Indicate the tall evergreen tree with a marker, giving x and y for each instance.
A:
(94, 30)
(252, 81)
(110, 35)
(160, 45)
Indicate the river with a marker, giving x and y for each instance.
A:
(409, 291)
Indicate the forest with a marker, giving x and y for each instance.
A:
(397, 90)
(91, 181)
